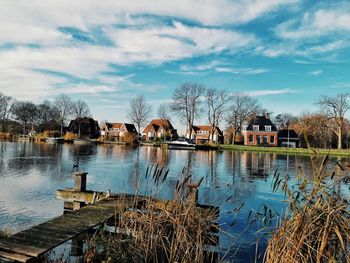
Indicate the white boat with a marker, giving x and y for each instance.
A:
(183, 144)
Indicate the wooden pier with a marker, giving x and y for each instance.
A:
(88, 209)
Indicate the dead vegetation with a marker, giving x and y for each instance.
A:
(161, 231)
(316, 227)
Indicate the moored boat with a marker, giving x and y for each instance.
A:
(183, 144)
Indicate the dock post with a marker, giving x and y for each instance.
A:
(79, 186)
(192, 192)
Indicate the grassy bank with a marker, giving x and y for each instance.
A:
(284, 150)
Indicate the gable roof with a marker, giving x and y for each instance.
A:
(205, 128)
(117, 125)
(261, 121)
(130, 127)
(156, 124)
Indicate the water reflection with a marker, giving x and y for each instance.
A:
(31, 173)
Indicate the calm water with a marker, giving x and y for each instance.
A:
(31, 173)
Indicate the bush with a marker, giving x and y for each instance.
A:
(54, 134)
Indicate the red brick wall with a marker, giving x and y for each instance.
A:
(246, 135)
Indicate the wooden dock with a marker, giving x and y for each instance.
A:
(27, 245)
(88, 209)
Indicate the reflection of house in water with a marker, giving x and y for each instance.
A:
(115, 151)
(258, 164)
(156, 155)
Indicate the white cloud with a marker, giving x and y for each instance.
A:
(316, 72)
(256, 93)
(244, 71)
(316, 24)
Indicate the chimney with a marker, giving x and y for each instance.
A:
(267, 115)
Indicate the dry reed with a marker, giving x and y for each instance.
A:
(150, 230)
(316, 227)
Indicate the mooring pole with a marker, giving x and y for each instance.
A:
(79, 186)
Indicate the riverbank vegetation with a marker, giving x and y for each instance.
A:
(282, 150)
(316, 226)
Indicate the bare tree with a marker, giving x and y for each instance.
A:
(335, 108)
(5, 110)
(283, 120)
(163, 111)
(187, 100)
(47, 115)
(25, 112)
(139, 111)
(80, 109)
(216, 101)
(64, 106)
(242, 107)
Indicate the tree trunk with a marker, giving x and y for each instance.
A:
(61, 128)
(234, 137)
(340, 137)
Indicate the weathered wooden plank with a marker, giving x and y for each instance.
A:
(44, 232)
(88, 197)
(20, 248)
(15, 256)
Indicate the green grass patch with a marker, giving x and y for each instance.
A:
(284, 150)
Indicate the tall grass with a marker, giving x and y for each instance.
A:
(316, 227)
(150, 230)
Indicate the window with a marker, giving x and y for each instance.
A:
(251, 138)
(266, 139)
(268, 128)
(255, 127)
(272, 139)
(115, 129)
(244, 127)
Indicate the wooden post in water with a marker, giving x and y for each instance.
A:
(79, 186)
(192, 192)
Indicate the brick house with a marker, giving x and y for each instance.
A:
(260, 131)
(159, 129)
(201, 134)
(119, 131)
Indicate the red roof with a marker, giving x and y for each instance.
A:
(157, 123)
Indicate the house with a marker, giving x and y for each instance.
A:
(119, 131)
(160, 129)
(260, 131)
(201, 134)
(84, 128)
(288, 138)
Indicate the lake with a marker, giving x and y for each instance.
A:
(31, 173)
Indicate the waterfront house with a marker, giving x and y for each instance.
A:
(160, 129)
(288, 138)
(202, 134)
(119, 131)
(260, 131)
(84, 128)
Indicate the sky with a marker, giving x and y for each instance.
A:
(285, 53)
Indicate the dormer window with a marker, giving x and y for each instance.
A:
(255, 127)
(268, 128)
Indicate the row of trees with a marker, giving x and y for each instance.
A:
(192, 100)
(44, 116)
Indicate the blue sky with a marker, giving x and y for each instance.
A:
(286, 53)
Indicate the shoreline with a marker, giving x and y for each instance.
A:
(241, 148)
